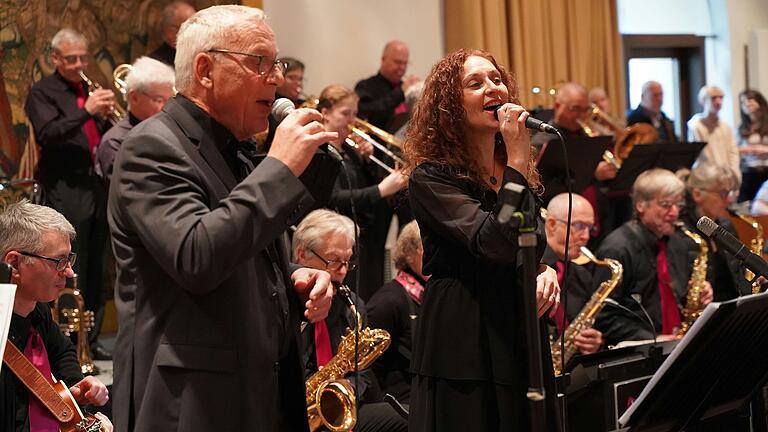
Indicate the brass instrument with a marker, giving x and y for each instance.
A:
(117, 113)
(118, 78)
(693, 306)
(756, 246)
(383, 135)
(564, 348)
(77, 320)
(331, 399)
(625, 137)
(350, 142)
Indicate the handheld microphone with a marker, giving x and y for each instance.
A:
(614, 303)
(533, 123)
(280, 110)
(727, 241)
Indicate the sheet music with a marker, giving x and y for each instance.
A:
(708, 311)
(7, 293)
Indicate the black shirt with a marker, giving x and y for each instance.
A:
(14, 397)
(58, 125)
(635, 247)
(164, 53)
(378, 99)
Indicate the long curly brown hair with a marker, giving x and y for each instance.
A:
(436, 129)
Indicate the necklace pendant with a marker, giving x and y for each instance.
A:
(493, 180)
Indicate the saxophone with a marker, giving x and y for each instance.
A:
(330, 397)
(756, 246)
(78, 320)
(588, 313)
(693, 306)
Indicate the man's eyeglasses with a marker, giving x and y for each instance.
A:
(580, 226)
(61, 263)
(578, 109)
(263, 67)
(334, 265)
(72, 59)
(724, 194)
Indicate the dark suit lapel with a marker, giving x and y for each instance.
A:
(217, 166)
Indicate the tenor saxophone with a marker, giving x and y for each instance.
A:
(330, 397)
(587, 315)
(756, 246)
(696, 283)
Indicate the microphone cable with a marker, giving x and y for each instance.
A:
(614, 303)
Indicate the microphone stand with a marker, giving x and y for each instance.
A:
(527, 242)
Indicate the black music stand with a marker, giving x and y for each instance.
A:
(584, 153)
(667, 155)
(5, 273)
(716, 368)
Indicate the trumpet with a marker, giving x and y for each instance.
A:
(77, 320)
(117, 113)
(118, 78)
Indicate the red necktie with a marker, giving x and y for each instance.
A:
(560, 313)
(40, 419)
(90, 129)
(670, 315)
(402, 108)
(322, 344)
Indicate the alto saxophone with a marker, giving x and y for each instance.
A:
(77, 320)
(588, 313)
(330, 397)
(756, 246)
(693, 306)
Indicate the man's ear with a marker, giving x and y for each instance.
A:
(300, 256)
(203, 67)
(12, 259)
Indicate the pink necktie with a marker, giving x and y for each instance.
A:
(322, 344)
(40, 419)
(90, 129)
(670, 315)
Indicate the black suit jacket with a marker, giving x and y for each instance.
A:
(209, 323)
(666, 127)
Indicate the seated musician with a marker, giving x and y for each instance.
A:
(710, 190)
(356, 186)
(395, 308)
(657, 259)
(324, 240)
(35, 242)
(579, 285)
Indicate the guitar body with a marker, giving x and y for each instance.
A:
(79, 422)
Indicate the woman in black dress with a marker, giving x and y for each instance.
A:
(470, 352)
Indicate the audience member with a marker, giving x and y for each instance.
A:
(649, 111)
(706, 126)
(753, 142)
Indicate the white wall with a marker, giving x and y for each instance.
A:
(728, 25)
(340, 41)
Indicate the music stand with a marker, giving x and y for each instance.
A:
(584, 153)
(668, 155)
(716, 368)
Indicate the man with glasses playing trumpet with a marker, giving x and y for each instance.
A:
(68, 123)
(148, 86)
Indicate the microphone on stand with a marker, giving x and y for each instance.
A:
(727, 241)
(282, 107)
(614, 303)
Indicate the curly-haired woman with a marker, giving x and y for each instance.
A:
(470, 351)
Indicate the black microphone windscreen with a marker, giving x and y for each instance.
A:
(706, 225)
(281, 108)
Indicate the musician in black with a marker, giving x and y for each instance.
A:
(324, 240)
(710, 190)
(68, 124)
(580, 285)
(649, 111)
(174, 14)
(35, 241)
(657, 259)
